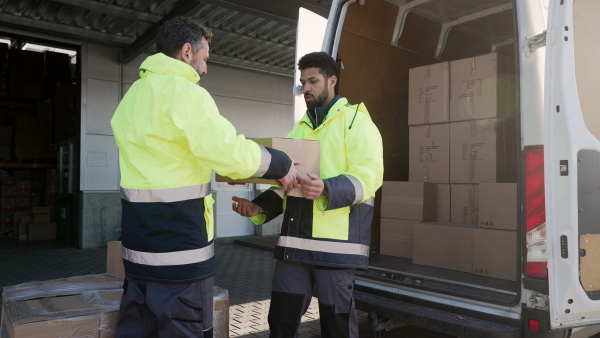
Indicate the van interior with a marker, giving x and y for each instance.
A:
(380, 42)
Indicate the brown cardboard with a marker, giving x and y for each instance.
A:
(396, 228)
(464, 203)
(42, 232)
(413, 201)
(398, 247)
(114, 260)
(428, 94)
(443, 245)
(429, 153)
(480, 87)
(589, 272)
(478, 153)
(41, 218)
(442, 206)
(41, 210)
(498, 206)
(495, 253)
(306, 151)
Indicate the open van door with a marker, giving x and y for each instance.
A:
(309, 38)
(572, 165)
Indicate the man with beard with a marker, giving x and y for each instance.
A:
(171, 137)
(326, 229)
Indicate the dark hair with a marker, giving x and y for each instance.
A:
(321, 60)
(175, 33)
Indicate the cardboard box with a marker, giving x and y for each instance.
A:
(495, 253)
(429, 94)
(307, 151)
(42, 210)
(41, 218)
(464, 204)
(482, 87)
(397, 247)
(442, 206)
(480, 153)
(429, 153)
(114, 260)
(42, 232)
(443, 245)
(396, 228)
(413, 201)
(498, 206)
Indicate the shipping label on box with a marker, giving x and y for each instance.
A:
(443, 245)
(428, 94)
(479, 152)
(429, 153)
(413, 201)
(307, 151)
(482, 87)
(442, 206)
(498, 206)
(464, 203)
(495, 253)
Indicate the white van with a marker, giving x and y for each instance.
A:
(555, 48)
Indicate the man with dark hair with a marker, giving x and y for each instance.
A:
(326, 229)
(171, 137)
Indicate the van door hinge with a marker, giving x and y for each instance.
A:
(539, 301)
(531, 44)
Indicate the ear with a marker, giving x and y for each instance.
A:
(333, 81)
(186, 53)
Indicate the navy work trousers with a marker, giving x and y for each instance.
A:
(150, 309)
(292, 291)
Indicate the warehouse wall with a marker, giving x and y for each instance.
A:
(258, 105)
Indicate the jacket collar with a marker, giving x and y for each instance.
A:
(160, 64)
(334, 110)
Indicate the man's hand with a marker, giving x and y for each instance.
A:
(244, 207)
(290, 181)
(313, 187)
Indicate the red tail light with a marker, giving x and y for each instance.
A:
(536, 258)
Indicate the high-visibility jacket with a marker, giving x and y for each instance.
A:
(170, 137)
(333, 230)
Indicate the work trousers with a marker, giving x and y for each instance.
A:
(150, 309)
(293, 285)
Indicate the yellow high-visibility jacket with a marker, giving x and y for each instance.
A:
(334, 230)
(170, 137)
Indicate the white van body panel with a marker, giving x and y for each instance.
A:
(566, 135)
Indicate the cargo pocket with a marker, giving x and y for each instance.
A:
(343, 296)
(209, 216)
(331, 224)
(186, 319)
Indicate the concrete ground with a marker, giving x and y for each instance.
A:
(243, 270)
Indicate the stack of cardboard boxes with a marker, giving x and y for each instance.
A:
(81, 306)
(25, 204)
(462, 140)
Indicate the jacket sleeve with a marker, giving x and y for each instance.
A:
(364, 152)
(214, 140)
(271, 201)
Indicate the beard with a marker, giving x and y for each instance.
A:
(318, 101)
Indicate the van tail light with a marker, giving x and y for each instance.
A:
(536, 258)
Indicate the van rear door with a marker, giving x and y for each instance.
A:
(572, 165)
(309, 38)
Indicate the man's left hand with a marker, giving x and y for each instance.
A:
(313, 187)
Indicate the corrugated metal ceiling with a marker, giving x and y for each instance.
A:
(258, 34)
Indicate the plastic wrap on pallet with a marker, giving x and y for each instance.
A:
(220, 312)
(60, 287)
(81, 306)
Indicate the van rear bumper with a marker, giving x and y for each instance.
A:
(433, 319)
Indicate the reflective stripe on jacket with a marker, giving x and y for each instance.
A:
(333, 230)
(170, 137)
